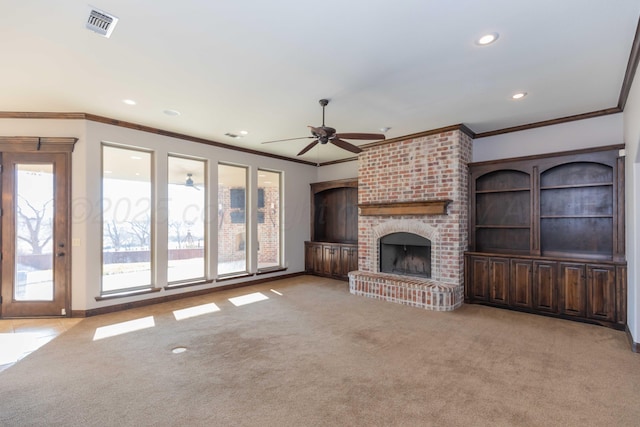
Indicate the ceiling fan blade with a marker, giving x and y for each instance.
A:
(288, 139)
(344, 144)
(360, 135)
(308, 147)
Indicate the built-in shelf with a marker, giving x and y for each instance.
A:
(430, 207)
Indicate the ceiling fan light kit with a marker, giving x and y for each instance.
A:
(325, 134)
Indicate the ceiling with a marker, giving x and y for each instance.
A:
(261, 67)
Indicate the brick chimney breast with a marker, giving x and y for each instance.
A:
(421, 169)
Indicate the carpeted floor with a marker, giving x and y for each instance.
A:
(314, 355)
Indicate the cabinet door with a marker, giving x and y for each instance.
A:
(353, 259)
(348, 260)
(478, 286)
(573, 299)
(499, 281)
(601, 292)
(313, 257)
(521, 283)
(545, 286)
(330, 260)
(308, 257)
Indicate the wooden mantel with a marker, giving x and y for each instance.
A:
(430, 207)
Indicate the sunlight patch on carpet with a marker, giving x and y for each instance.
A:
(14, 347)
(197, 310)
(248, 299)
(275, 292)
(124, 327)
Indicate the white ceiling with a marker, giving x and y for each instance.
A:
(227, 66)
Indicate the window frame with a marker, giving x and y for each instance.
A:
(205, 214)
(152, 221)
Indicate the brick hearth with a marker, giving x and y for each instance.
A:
(422, 169)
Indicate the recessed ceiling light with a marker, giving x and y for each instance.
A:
(172, 113)
(244, 132)
(129, 101)
(487, 39)
(178, 350)
(519, 95)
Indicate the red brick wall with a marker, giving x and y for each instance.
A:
(426, 168)
(229, 233)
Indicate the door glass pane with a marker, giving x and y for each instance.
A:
(232, 219)
(126, 219)
(187, 213)
(268, 219)
(34, 232)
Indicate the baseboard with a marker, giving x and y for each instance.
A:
(174, 297)
(635, 347)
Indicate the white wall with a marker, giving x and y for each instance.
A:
(345, 170)
(596, 132)
(86, 204)
(632, 199)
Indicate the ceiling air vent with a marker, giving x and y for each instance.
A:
(101, 22)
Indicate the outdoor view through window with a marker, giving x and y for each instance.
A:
(187, 218)
(126, 219)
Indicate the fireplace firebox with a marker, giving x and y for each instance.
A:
(405, 254)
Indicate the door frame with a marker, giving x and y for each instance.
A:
(48, 145)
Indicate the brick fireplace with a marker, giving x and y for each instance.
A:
(416, 185)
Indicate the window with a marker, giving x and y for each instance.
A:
(269, 213)
(126, 219)
(232, 222)
(187, 213)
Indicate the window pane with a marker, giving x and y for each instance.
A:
(269, 207)
(187, 213)
(232, 219)
(34, 232)
(126, 219)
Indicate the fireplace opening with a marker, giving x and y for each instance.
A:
(405, 254)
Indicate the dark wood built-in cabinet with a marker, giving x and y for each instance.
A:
(547, 235)
(333, 249)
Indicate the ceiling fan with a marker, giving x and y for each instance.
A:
(324, 134)
(189, 182)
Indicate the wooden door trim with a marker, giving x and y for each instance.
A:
(52, 146)
(30, 144)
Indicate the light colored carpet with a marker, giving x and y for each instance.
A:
(318, 356)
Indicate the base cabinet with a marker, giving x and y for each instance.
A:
(545, 293)
(334, 260)
(586, 291)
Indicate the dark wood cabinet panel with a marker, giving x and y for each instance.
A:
(573, 291)
(499, 281)
(559, 220)
(545, 295)
(479, 279)
(334, 211)
(601, 289)
(333, 249)
(348, 260)
(506, 208)
(585, 291)
(330, 260)
(334, 260)
(521, 285)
